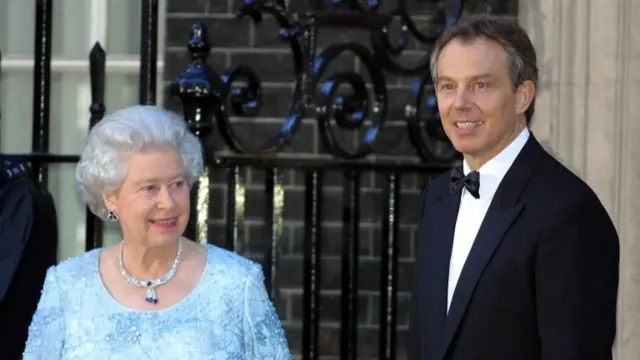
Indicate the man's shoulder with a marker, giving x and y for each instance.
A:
(559, 187)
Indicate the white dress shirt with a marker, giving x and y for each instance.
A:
(472, 211)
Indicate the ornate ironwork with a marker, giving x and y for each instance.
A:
(204, 93)
(210, 99)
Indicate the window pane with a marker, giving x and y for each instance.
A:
(70, 28)
(16, 27)
(71, 33)
(69, 122)
(74, 32)
(16, 106)
(70, 100)
(123, 31)
(75, 27)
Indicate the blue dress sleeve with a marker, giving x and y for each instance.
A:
(264, 336)
(46, 331)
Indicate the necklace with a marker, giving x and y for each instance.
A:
(152, 297)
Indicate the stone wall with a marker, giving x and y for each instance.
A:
(238, 42)
(587, 115)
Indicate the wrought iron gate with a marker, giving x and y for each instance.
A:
(210, 100)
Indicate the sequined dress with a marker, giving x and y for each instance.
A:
(228, 315)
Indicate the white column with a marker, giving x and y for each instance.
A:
(587, 114)
(628, 181)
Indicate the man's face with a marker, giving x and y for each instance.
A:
(480, 111)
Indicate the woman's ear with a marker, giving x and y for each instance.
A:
(109, 202)
(524, 96)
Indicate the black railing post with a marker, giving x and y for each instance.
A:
(389, 268)
(42, 85)
(200, 91)
(312, 248)
(274, 204)
(0, 88)
(350, 261)
(97, 68)
(234, 210)
(148, 51)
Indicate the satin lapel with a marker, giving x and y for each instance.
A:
(437, 254)
(502, 212)
(491, 233)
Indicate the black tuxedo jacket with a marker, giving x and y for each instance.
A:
(540, 281)
(28, 246)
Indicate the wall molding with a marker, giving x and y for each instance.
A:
(589, 58)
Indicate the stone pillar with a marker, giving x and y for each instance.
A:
(588, 116)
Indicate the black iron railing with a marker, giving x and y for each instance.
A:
(210, 100)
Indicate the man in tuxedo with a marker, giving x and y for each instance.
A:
(517, 258)
(28, 244)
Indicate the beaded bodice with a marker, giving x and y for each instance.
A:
(227, 316)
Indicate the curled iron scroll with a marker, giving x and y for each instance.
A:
(238, 91)
(210, 98)
(350, 111)
(446, 13)
(423, 122)
(247, 100)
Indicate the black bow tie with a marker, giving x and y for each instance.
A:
(471, 182)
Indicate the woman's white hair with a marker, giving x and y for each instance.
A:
(111, 142)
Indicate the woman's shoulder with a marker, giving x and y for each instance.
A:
(76, 267)
(228, 263)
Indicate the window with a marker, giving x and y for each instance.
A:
(77, 25)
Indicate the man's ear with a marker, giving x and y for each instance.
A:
(525, 94)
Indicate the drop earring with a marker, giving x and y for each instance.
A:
(112, 216)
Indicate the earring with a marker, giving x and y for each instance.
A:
(112, 216)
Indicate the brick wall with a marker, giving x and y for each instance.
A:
(236, 42)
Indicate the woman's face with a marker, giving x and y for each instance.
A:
(153, 200)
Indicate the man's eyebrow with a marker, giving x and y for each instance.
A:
(474, 77)
(443, 78)
(481, 76)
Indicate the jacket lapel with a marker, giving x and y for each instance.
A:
(503, 211)
(437, 254)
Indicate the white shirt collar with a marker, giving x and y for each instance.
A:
(493, 171)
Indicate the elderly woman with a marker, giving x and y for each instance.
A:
(154, 295)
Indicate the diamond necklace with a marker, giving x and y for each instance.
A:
(152, 297)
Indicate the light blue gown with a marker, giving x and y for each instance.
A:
(227, 316)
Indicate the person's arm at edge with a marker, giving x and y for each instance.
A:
(577, 283)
